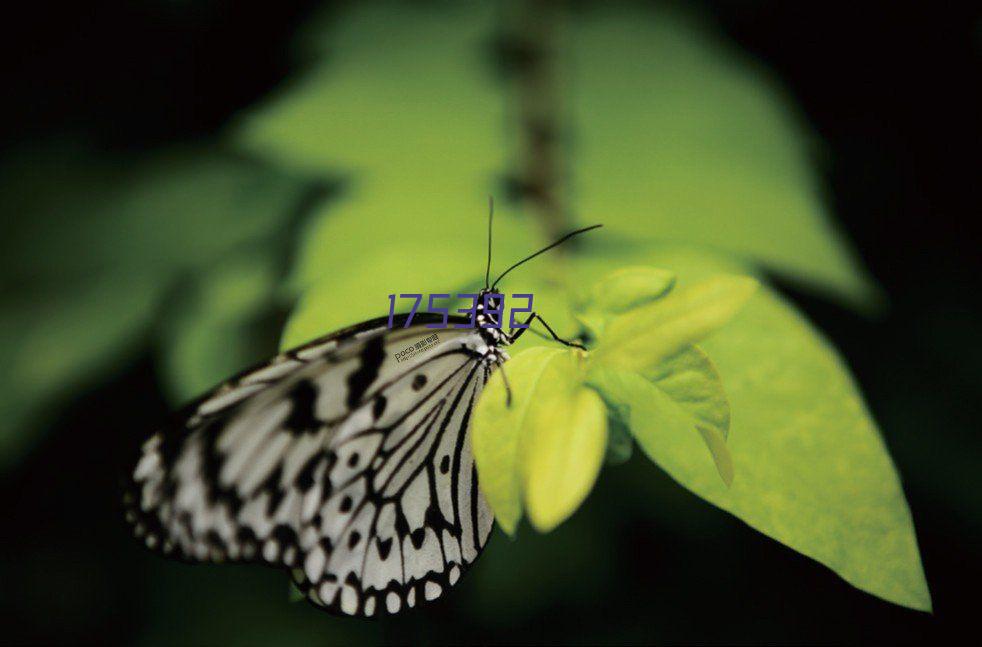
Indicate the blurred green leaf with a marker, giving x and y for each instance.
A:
(206, 336)
(405, 108)
(100, 243)
(53, 340)
(381, 116)
(681, 139)
(360, 293)
(176, 210)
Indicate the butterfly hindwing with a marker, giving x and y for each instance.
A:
(347, 460)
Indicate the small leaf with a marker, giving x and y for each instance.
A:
(496, 429)
(620, 444)
(630, 287)
(294, 594)
(684, 395)
(640, 339)
(620, 291)
(563, 443)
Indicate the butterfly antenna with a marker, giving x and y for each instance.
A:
(543, 250)
(487, 272)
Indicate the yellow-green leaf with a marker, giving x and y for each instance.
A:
(681, 396)
(620, 291)
(497, 427)
(630, 287)
(563, 443)
(643, 337)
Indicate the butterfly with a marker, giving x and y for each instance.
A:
(337, 460)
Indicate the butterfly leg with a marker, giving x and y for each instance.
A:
(504, 377)
(513, 336)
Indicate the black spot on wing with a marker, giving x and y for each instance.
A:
(435, 519)
(286, 535)
(272, 485)
(303, 398)
(378, 407)
(305, 479)
(384, 546)
(372, 356)
(327, 545)
(401, 524)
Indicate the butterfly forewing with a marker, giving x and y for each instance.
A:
(347, 460)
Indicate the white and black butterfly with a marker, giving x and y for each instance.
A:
(336, 460)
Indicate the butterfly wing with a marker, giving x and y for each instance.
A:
(347, 460)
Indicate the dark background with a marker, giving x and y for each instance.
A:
(891, 91)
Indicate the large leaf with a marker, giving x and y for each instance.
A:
(810, 467)
(813, 453)
(680, 139)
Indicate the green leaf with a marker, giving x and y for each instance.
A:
(497, 428)
(811, 469)
(630, 287)
(207, 333)
(79, 297)
(562, 444)
(396, 89)
(620, 291)
(177, 210)
(54, 340)
(620, 444)
(680, 396)
(419, 139)
(641, 338)
(362, 291)
(706, 152)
